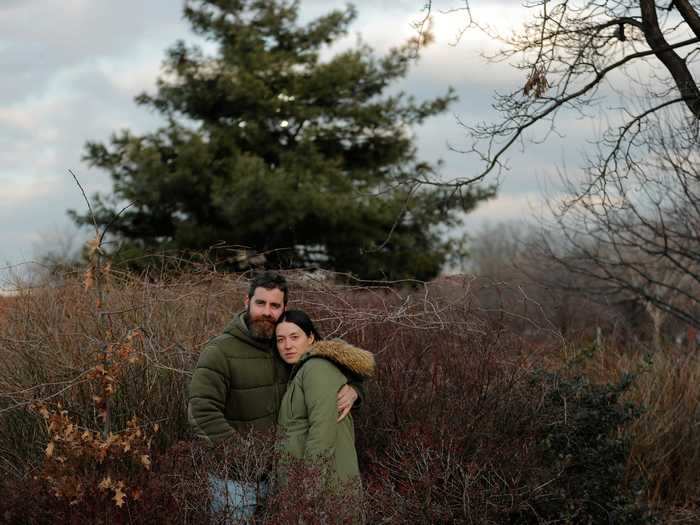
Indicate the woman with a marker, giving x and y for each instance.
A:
(308, 414)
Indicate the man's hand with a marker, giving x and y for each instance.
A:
(346, 398)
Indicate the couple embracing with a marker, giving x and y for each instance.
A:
(271, 367)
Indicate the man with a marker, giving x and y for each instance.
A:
(239, 381)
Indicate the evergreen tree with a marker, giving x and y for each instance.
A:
(272, 148)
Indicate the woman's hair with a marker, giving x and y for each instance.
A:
(302, 320)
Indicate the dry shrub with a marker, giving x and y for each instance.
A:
(171, 491)
(665, 449)
(55, 342)
(665, 440)
(307, 492)
(452, 429)
(88, 364)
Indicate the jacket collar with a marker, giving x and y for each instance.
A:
(360, 362)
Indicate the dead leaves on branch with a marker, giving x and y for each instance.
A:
(536, 84)
(99, 270)
(80, 462)
(114, 361)
(117, 487)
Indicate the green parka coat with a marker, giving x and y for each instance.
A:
(308, 412)
(238, 384)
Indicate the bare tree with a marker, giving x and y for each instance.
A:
(636, 232)
(571, 53)
(494, 249)
(631, 223)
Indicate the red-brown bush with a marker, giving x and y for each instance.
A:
(450, 431)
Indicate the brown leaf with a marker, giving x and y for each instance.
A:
(146, 461)
(106, 483)
(88, 280)
(93, 245)
(101, 454)
(49, 449)
(537, 83)
(119, 494)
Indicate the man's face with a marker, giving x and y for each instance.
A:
(263, 309)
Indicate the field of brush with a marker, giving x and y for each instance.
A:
(481, 410)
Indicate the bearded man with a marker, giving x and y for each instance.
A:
(238, 384)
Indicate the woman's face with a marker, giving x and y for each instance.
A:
(292, 342)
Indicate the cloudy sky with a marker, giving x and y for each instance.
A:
(71, 69)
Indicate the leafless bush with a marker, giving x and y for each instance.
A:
(449, 431)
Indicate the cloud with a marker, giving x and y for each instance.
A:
(72, 67)
(505, 208)
(20, 191)
(70, 71)
(40, 39)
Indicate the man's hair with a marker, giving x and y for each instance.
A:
(269, 281)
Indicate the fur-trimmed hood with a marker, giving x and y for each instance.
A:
(359, 362)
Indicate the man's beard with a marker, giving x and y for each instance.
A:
(260, 327)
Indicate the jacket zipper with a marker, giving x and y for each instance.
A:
(276, 386)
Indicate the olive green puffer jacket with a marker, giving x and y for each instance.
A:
(238, 384)
(308, 412)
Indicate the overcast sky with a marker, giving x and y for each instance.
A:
(71, 69)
